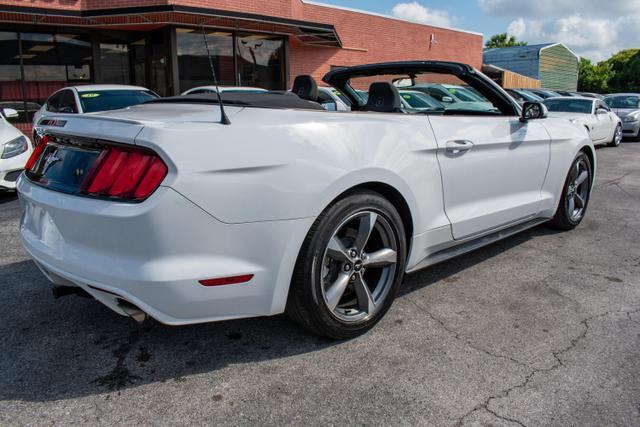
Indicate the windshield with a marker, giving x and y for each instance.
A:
(420, 101)
(569, 105)
(624, 102)
(464, 94)
(104, 100)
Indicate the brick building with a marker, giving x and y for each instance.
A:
(48, 44)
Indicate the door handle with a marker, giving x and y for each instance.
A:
(458, 146)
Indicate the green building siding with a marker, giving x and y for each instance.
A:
(558, 68)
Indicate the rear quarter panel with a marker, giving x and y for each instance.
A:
(281, 164)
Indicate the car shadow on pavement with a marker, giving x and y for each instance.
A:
(74, 346)
(7, 196)
(450, 268)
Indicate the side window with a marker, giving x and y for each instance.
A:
(53, 103)
(440, 92)
(68, 103)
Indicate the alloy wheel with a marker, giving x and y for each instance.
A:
(617, 136)
(359, 266)
(578, 188)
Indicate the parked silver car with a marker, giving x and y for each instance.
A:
(627, 107)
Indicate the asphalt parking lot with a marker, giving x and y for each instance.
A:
(540, 329)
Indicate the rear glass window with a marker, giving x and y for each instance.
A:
(104, 100)
(569, 106)
(624, 102)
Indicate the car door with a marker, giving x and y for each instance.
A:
(611, 119)
(493, 169)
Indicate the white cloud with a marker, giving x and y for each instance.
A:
(414, 11)
(517, 28)
(589, 28)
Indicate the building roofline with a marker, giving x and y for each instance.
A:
(169, 8)
(563, 45)
(382, 15)
(539, 47)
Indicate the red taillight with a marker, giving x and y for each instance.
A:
(125, 173)
(37, 152)
(234, 280)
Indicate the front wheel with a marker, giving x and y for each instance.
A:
(617, 136)
(575, 195)
(349, 267)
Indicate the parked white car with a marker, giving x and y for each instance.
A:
(330, 99)
(15, 149)
(91, 99)
(228, 89)
(603, 125)
(167, 210)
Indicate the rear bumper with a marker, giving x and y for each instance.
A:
(153, 254)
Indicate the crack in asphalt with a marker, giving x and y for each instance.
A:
(484, 405)
(611, 182)
(631, 196)
(468, 342)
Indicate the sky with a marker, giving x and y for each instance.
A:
(594, 29)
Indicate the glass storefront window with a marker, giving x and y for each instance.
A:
(193, 62)
(114, 63)
(11, 86)
(261, 61)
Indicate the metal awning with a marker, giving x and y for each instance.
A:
(145, 17)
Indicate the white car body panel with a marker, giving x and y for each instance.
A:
(7, 133)
(241, 198)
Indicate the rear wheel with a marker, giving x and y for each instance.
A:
(575, 195)
(617, 136)
(349, 267)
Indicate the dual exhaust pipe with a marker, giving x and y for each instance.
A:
(129, 309)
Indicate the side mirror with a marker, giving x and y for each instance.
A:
(9, 113)
(447, 99)
(601, 111)
(533, 111)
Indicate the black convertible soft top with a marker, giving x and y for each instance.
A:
(274, 99)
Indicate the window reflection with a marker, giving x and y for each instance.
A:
(261, 61)
(194, 68)
(114, 63)
(50, 62)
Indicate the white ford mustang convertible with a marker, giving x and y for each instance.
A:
(177, 210)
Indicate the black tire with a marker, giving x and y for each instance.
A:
(307, 304)
(562, 219)
(617, 137)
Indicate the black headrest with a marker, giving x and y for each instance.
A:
(305, 87)
(383, 98)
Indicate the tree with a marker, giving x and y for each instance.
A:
(594, 77)
(625, 69)
(503, 40)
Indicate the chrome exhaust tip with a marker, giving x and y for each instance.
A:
(132, 311)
